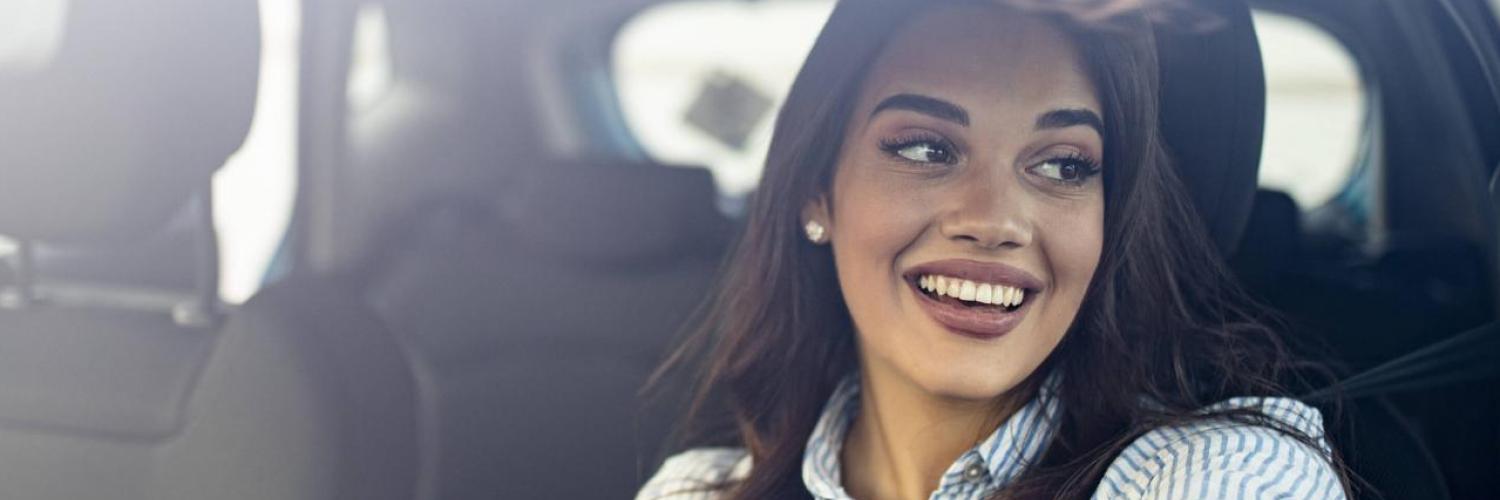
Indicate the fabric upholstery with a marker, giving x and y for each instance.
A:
(1273, 234)
(300, 397)
(306, 397)
(530, 357)
(1213, 101)
(86, 396)
(143, 102)
(104, 399)
(124, 374)
(561, 213)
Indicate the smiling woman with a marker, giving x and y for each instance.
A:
(968, 169)
(970, 272)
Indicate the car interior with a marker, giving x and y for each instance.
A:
(482, 264)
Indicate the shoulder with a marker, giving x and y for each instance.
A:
(693, 474)
(1223, 459)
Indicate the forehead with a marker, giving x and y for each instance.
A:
(979, 57)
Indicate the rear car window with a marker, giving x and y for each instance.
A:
(700, 83)
(31, 33)
(1315, 109)
(255, 190)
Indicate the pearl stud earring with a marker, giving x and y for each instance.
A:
(814, 232)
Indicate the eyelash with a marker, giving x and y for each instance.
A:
(1088, 166)
(893, 147)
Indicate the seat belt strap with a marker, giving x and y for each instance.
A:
(1466, 357)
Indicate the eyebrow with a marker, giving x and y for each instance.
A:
(944, 110)
(1064, 118)
(936, 108)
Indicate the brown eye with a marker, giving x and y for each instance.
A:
(925, 152)
(1073, 171)
(1056, 170)
(1068, 172)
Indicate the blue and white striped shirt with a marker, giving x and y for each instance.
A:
(1213, 459)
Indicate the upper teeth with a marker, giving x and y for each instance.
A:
(961, 289)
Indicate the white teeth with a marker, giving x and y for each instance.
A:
(966, 292)
(984, 293)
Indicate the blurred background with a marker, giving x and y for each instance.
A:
(664, 59)
(370, 249)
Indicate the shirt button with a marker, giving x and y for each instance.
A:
(974, 471)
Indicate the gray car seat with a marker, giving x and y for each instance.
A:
(529, 297)
(103, 145)
(528, 324)
(534, 328)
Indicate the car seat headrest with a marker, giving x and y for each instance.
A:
(1273, 233)
(141, 103)
(619, 213)
(1213, 115)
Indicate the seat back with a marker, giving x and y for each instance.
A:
(306, 397)
(532, 326)
(106, 141)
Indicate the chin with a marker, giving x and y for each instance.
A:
(963, 372)
(970, 385)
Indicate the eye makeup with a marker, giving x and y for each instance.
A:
(920, 147)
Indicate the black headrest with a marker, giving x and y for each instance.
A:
(612, 213)
(1213, 115)
(143, 101)
(1273, 232)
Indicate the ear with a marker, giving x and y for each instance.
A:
(816, 210)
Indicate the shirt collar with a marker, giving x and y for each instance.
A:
(988, 466)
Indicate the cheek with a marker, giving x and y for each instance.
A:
(873, 219)
(1074, 243)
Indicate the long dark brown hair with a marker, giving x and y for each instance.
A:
(777, 336)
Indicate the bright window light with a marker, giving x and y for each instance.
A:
(1315, 109)
(253, 193)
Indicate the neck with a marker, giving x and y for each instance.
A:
(905, 438)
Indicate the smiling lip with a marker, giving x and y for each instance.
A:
(982, 323)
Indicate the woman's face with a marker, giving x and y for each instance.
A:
(966, 212)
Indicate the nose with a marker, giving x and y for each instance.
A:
(989, 212)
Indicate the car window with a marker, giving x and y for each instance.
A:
(1315, 109)
(255, 190)
(699, 83)
(31, 32)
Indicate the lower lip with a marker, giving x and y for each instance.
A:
(973, 322)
